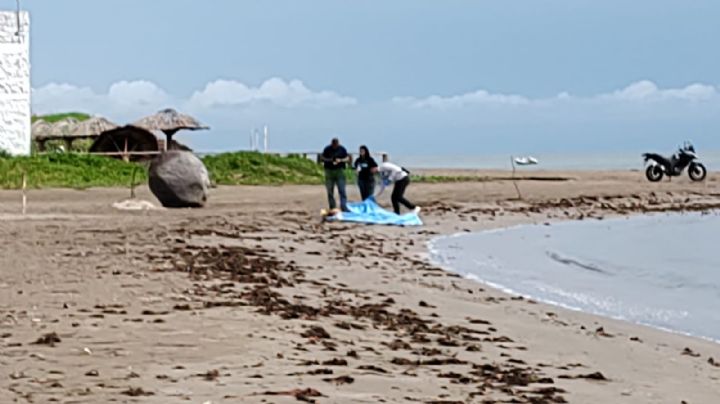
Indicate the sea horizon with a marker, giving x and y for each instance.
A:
(575, 161)
(582, 161)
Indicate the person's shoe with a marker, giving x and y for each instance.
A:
(417, 210)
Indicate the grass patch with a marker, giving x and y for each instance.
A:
(253, 168)
(52, 118)
(67, 170)
(75, 170)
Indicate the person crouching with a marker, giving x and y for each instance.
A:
(393, 174)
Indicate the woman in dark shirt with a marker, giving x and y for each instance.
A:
(366, 168)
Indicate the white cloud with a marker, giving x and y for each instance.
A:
(648, 91)
(479, 97)
(297, 115)
(126, 98)
(641, 91)
(275, 91)
(122, 100)
(45, 99)
(141, 93)
(129, 100)
(228, 105)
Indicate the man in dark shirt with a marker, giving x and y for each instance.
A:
(334, 159)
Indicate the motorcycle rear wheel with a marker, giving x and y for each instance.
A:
(697, 172)
(654, 173)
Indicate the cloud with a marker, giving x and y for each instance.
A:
(275, 91)
(648, 91)
(297, 114)
(641, 91)
(122, 99)
(140, 93)
(130, 99)
(480, 97)
(46, 98)
(138, 97)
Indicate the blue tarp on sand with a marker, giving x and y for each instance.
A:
(369, 211)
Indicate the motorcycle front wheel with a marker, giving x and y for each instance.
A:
(654, 173)
(697, 172)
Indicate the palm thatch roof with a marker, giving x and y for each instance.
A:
(94, 127)
(63, 129)
(169, 121)
(41, 129)
(71, 128)
(127, 140)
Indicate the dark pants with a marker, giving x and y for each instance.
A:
(336, 178)
(367, 187)
(398, 195)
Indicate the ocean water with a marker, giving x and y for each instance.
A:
(547, 161)
(659, 270)
(565, 161)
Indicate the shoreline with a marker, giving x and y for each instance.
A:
(353, 313)
(513, 293)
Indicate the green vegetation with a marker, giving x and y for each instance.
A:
(52, 118)
(67, 170)
(76, 170)
(58, 146)
(253, 168)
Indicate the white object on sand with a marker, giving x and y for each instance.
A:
(24, 194)
(526, 161)
(134, 204)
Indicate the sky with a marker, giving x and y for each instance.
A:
(411, 77)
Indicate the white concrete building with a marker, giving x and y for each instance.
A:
(15, 112)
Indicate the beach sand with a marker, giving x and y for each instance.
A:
(254, 299)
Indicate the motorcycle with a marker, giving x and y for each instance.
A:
(659, 166)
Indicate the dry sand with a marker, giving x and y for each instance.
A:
(253, 299)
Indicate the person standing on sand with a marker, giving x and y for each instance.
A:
(366, 168)
(392, 173)
(334, 159)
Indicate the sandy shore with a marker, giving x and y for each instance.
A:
(254, 299)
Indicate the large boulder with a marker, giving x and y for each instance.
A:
(179, 180)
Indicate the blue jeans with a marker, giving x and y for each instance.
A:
(336, 178)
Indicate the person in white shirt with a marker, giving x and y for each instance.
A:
(392, 173)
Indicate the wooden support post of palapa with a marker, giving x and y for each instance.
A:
(517, 189)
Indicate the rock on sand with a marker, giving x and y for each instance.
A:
(179, 180)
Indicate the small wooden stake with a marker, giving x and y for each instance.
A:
(132, 183)
(517, 189)
(24, 195)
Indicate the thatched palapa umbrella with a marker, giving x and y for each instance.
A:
(126, 142)
(169, 121)
(69, 129)
(94, 126)
(65, 128)
(41, 129)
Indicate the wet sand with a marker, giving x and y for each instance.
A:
(254, 299)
